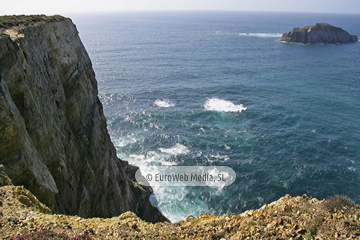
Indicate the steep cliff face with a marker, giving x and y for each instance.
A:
(53, 133)
(319, 33)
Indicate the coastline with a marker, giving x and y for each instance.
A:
(287, 218)
(23, 214)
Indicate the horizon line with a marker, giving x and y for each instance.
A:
(184, 10)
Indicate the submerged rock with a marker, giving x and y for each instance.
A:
(319, 33)
(54, 139)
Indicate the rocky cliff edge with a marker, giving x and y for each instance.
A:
(24, 217)
(53, 133)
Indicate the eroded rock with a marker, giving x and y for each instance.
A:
(319, 33)
(54, 138)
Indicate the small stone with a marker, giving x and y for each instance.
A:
(301, 231)
(134, 226)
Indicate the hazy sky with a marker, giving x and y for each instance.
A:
(8, 7)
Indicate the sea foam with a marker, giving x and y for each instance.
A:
(164, 103)
(264, 35)
(175, 150)
(125, 140)
(215, 104)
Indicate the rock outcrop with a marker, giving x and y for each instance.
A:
(24, 217)
(319, 33)
(53, 134)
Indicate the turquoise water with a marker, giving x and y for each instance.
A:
(218, 88)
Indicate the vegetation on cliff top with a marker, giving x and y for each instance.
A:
(27, 20)
(24, 217)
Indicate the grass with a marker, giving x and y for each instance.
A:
(26, 20)
(308, 236)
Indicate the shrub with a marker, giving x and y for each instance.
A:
(339, 202)
(308, 236)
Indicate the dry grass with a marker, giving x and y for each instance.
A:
(339, 202)
(27, 20)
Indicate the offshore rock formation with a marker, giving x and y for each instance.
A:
(53, 134)
(319, 33)
(287, 218)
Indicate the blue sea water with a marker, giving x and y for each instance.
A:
(218, 88)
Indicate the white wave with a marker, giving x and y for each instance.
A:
(220, 157)
(150, 159)
(175, 150)
(264, 35)
(215, 104)
(164, 103)
(227, 147)
(163, 157)
(149, 156)
(125, 140)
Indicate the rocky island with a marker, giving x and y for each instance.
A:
(60, 177)
(319, 33)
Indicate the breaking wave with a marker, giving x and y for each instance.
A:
(176, 150)
(164, 103)
(215, 104)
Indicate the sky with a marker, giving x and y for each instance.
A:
(50, 7)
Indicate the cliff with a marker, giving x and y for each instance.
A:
(53, 136)
(319, 33)
(24, 217)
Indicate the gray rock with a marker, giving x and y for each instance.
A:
(54, 138)
(319, 33)
(4, 178)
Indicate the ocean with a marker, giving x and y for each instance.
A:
(219, 89)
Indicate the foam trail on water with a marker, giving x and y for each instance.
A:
(167, 196)
(164, 197)
(175, 150)
(264, 35)
(125, 140)
(215, 104)
(164, 103)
